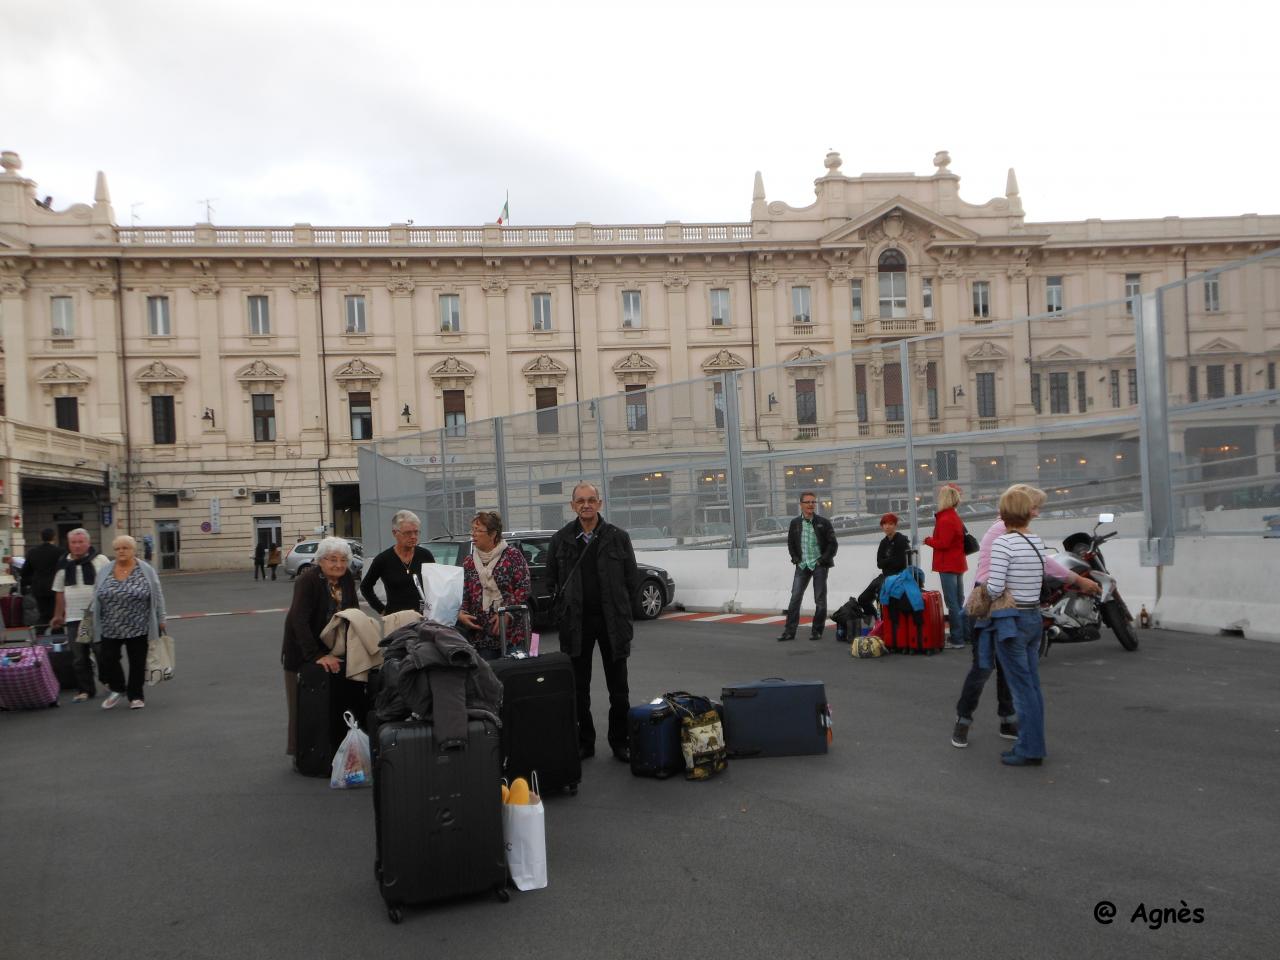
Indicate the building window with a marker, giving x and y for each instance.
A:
(1271, 376)
(158, 317)
(806, 402)
(926, 297)
(165, 501)
(719, 307)
(801, 305)
(947, 463)
(1115, 388)
(455, 413)
(1053, 294)
(1193, 385)
(259, 316)
(264, 417)
(860, 391)
(361, 405)
(66, 413)
(892, 276)
(1059, 393)
(637, 408)
(855, 287)
(450, 313)
(717, 399)
(1035, 392)
(1212, 300)
(1237, 379)
(931, 389)
(1082, 400)
(1133, 386)
(261, 497)
(355, 314)
(1215, 381)
(1132, 290)
(542, 312)
(163, 427)
(893, 393)
(986, 386)
(631, 316)
(982, 299)
(62, 310)
(545, 399)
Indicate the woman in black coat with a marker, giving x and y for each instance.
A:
(320, 591)
(891, 558)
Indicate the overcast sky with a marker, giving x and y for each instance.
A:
(376, 112)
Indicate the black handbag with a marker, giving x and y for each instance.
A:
(971, 545)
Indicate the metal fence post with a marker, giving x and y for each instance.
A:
(444, 482)
(598, 407)
(908, 433)
(1153, 423)
(738, 551)
(500, 464)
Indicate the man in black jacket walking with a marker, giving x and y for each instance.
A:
(593, 568)
(38, 571)
(811, 541)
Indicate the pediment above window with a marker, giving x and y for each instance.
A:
(722, 361)
(545, 371)
(899, 220)
(805, 363)
(1060, 354)
(260, 377)
(1219, 345)
(986, 355)
(452, 374)
(635, 368)
(62, 379)
(159, 377)
(357, 375)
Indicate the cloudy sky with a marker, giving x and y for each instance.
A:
(381, 111)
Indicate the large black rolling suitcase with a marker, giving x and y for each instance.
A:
(539, 716)
(437, 814)
(61, 658)
(776, 718)
(323, 698)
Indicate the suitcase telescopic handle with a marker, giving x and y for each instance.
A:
(514, 608)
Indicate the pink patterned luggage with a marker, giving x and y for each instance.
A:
(26, 679)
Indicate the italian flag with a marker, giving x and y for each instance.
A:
(505, 215)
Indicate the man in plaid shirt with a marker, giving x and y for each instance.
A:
(811, 541)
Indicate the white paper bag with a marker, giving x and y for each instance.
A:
(160, 660)
(524, 834)
(441, 592)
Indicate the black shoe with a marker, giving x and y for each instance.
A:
(815, 636)
(586, 753)
(1011, 759)
(785, 636)
(1008, 730)
(960, 735)
(622, 754)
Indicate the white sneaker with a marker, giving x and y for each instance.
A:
(137, 704)
(112, 700)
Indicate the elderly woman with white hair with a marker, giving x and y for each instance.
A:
(320, 591)
(397, 566)
(128, 613)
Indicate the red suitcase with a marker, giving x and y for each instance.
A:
(11, 610)
(902, 634)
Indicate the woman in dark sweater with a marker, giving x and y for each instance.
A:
(320, 591)
(397, 566)
(891, 558)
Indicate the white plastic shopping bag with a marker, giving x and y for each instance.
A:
(441, 589)
(524, 834)
(353, 763)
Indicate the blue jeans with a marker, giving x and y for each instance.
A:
(977, 678)
(1018, 649)
(953, 594)
(800, 583)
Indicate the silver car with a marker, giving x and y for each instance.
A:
(302, 555)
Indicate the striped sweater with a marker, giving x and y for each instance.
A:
(1016, 563)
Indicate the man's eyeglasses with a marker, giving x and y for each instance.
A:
(579, 503)
(808, 503)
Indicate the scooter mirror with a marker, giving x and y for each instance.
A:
(1106, 518)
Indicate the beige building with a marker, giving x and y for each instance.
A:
(208, 385)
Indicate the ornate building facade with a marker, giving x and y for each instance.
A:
(209, 385)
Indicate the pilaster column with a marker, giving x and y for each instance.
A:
(311, 420)
(586, 286)
(495, 308)
(405, 386)
(1019, 373)
(767, 382)
(842, 384)
(952, 310)
(211, 393)
(109, 384)
(13, 308)
(677, 285)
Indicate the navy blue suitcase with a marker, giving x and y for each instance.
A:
(653, 730)
(437, 814)
(776, 718)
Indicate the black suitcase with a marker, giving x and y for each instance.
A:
(61, 658)
(323, 698)
(437, 815)
(539, 717)
(776, 718)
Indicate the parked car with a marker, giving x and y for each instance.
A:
(657, 589)
(771, 525)
(302, 555)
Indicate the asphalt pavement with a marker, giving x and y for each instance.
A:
(181, 831)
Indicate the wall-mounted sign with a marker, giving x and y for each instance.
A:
(215, 515)
(107, 515)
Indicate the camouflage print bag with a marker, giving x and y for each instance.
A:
(701, 736)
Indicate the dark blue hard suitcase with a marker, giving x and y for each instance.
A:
(776, 718)
(653, 730)
(437, 814)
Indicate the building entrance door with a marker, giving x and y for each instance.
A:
(266, 531)
(169, 541)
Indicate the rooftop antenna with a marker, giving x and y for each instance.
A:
(133, 213)
(208, 208)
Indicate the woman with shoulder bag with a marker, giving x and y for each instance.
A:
(949, 561)
(127, 612)
(494, 575)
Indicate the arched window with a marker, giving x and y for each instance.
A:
(893, 284)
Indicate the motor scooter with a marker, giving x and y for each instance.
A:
(1071, 616)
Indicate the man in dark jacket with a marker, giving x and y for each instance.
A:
(38, 571)
(811, 541)
(593, 568)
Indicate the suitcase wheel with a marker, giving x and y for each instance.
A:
(501, 893)
(573, 789)
(395, 914)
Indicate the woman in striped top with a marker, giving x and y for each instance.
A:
(1017, 565)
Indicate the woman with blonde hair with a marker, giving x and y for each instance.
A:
(949, 559)
(128, 613)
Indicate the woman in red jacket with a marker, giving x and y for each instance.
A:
(948, 559)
